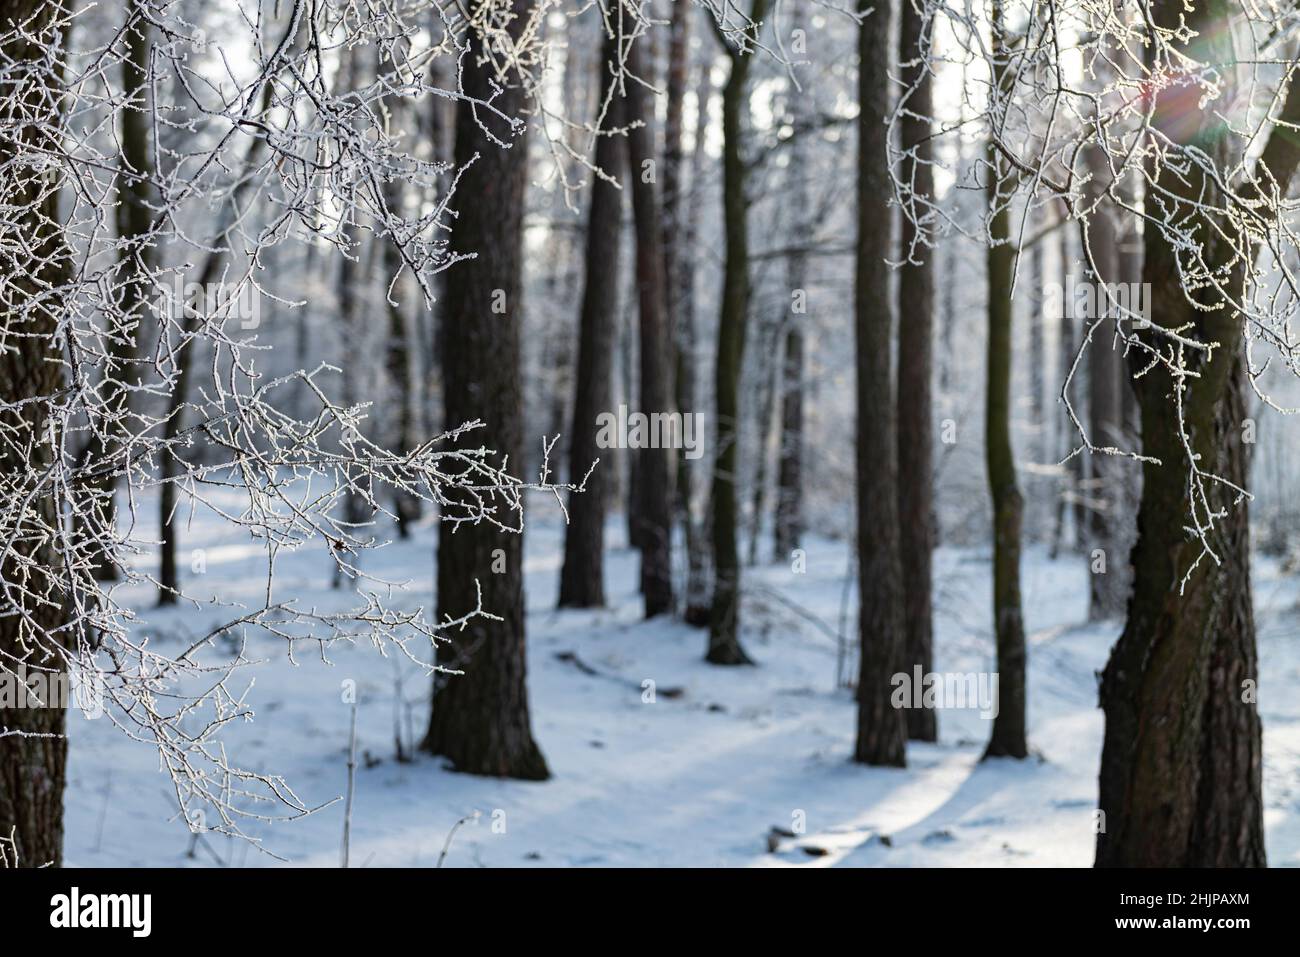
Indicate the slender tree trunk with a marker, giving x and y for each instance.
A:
(1069, 501)
(915, 360)
(170, 465)
(399, 356)
(768, 366)
(582, 578)
(654, 513)
(724, 616)
(1107, 544)
(35, 266)
(480, 718)
(1009, 734)
(882, 728)
(698, 566)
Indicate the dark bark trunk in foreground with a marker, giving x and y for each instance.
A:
(480, 718)
(36, 265)
(724, 616)
(653, 505)
(582, 578)
(882, 728)
(1181, 759)
(915, 351)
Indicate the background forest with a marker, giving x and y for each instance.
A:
(648, 432)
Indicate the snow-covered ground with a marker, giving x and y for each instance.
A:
(698, 778)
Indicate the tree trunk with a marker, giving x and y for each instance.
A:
(724, 625)
(1109, 581)
(36, 265)
(915, 352)
(882, 728)
(480, 718)
(1008, 738)
(698, 599)
(399, 356)
(767, 366)
(654, 514)
(582, 578)
(1181, 760)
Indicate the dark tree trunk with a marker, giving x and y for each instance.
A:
(915, 352)
(582, 578)
(1181, 760)
(653, 505)
(882, 728)
(36, 264)
(724, 626)
(1008, 738)
(724, 615)
(480, 718)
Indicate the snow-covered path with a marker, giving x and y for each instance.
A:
(695, 779)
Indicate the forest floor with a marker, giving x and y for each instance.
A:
(698, 777)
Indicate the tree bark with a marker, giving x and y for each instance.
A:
(654, 515)
(882, 728)
(1181, 759)
(36, 264)
(582, 577)
(724, 625)
(1008, 738)
(480, 719)
(915, 359)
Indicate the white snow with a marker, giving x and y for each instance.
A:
(694, 780)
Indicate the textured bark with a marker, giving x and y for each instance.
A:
(1180, 774)
(724, 625)
(582, 578)
(653, 504)
(480, 718)
(1008, 737)
(882, 728)
(35, 265)
(915, 403)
